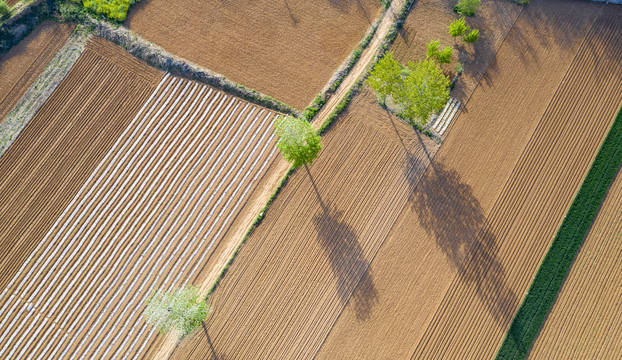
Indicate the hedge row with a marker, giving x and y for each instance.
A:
(557, 262)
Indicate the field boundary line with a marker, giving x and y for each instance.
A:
(41, 89)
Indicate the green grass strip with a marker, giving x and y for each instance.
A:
(558, 260)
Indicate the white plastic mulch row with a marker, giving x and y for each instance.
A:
(188, 154)
(441, 123)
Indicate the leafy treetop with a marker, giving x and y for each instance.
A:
(385, 78)
(298, 141)
(181, 308)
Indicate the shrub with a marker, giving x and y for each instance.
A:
(458, 27)
(471, 37)
(4, 9)
(434, 52)
(113, 9)
(467, 7)
(459, 68)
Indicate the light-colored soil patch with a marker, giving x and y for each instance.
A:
(585, 320)
(455, 265)
(287, 49)
(21, 66)
(298, 269)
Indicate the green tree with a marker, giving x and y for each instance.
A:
(386, 77)
(467, 7)
(458, 28)
(424, 92)
(434, 52)
(181, 308)
(298, 141)
(471, 37)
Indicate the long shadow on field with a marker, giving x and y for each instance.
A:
(448, 210)
(346, 258)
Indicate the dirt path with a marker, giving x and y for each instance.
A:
(358, 69)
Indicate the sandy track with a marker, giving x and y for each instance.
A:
(145, 218)
(296, 272)
(585, 320)
(21, 66)
(472, 320)
(287, 50)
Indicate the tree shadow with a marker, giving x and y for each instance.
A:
(345, 255)
(343, 6)
(448, 210)
(291, 15)
(213, 354)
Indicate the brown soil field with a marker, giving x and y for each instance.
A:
(430, 19)
(296, 273)
(585, 320)
(287, 50)
(52, 158)
(447, 265)
(148, 217)
(462, 199)
(21, 65)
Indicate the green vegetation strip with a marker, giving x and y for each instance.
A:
(557, 262)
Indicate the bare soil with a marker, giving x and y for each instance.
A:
(585, 320)
(23, 64)
(299, 268)
(150, 216)
(287, 50)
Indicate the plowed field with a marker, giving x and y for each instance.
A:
(286, 49)
(147, 216)
(455, 251)
(299, 268)
(585, 322)
(21, 65)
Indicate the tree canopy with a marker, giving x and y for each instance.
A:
(385, 78)
(434, 52)
(297, 140)
(425, 91)
(181, 308)
(458, 27)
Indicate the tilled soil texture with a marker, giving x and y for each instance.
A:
(286, 49)
(45, 167)
(454, 267)
(585, 322)
(430, 19)
(147, 217)
(297, 271)
(21, 65)
(476, 311)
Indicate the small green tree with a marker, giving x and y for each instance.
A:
(298, 141)
(181, 308)
(467, 7)
(471, 37)
(458, 28)
(424, 92)
(434, 52)
(385, 78)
